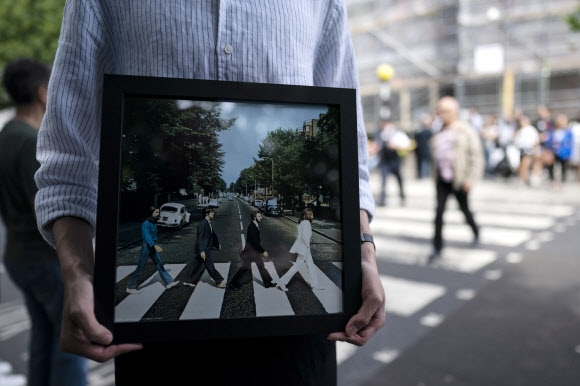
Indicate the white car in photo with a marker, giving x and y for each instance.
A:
(173, 215)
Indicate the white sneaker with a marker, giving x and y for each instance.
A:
(172, 284)
(282, 287)
(133, 291)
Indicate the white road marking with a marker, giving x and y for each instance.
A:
(269, 301)
(454, 259)
(206, 300)
(386, 356)
(527, 221)
(432, 320)
(344, 351)
(452, 232)
(493, 274)
(465, 294)
(135, 306)
(330, 296)
(514, 257)
(14, 321)
(406, 297)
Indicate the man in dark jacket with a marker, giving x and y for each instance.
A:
(206, 240)
(251, 254)
(30, 261)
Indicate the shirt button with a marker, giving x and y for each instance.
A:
(228, 49)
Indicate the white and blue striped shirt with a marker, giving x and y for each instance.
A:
(301, 42)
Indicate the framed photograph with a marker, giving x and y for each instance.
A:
(226, 210)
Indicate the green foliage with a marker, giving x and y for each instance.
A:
(167, 149)
(28, 28)
(573, 20)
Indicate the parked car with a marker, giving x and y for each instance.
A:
(257, 203)
(213, 203)
(173, 215)
(271, 207)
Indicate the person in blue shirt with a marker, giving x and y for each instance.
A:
(299, 42)
(150, 250)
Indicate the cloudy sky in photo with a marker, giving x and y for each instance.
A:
(255, 120)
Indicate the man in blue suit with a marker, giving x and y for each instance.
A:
(207, 239)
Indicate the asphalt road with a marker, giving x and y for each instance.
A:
(506, 313)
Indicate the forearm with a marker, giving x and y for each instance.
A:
(74, 247)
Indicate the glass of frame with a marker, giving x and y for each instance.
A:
(243, 150)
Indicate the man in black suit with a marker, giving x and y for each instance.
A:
(207, 239)
(251, 253)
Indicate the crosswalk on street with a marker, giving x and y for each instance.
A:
(512, 220)
(419, 296)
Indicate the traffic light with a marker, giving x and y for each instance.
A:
(385, 72)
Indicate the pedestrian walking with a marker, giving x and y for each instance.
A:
(301, 246)
(29, 260)
(252, 253)
(457, 164)
(207, 239)
(150, 250)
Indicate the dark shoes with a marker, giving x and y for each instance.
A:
(436, 255)
(230, 286)
(268, 285)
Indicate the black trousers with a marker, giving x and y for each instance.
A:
(244, 274)
(444, 189)
(199, 265)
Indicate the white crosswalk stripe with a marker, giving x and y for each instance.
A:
(403, 238)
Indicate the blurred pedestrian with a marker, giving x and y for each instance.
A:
(30, 261)
(391, 141)
(457, 164)
(422, 153)
(301, 43)
(527, 141)
(561, 142)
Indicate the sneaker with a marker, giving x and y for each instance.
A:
(172, 284)
(189, 284)
(133, 291)
(222, 284)
(282, 287)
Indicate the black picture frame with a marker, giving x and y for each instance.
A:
(158, 138)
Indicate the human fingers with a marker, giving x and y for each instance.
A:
(361, 336)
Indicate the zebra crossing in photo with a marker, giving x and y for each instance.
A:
(206, 300)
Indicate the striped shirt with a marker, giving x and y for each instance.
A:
(301, 42)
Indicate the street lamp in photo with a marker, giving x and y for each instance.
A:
(385, 73)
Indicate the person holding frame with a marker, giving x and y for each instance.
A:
(150, 250)
(302, 247)
(202, 40)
